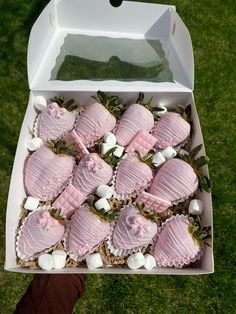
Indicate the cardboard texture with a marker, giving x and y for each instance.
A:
(132, 21)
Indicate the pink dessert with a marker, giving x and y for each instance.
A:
(132, 176)
(171, 130)
(54, 122)
(90, 173)
(133, 230)
(175, 181)
(134, 119)
(46, 173)
(175, 244)
(39, 232)
(93, 123)
(86, 231)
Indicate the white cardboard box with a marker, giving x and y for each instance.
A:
(137, 21)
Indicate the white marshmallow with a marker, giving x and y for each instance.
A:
(40, 103)
(110, 138)
(135, 260)
(106, 147)
(158, 159)
(45, 261)
(169, 152)
(149, 262)
(102, 203)
(195, 207)
(94, 261)
(34, 143)
(119, 151)
(59, 259)
(31, 203)
(104, 191)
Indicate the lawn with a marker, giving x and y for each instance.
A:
(212, 25)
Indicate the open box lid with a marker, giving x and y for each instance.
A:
(87, 45)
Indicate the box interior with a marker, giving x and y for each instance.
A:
(17, 193)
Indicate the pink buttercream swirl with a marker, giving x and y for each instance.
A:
(138, 226)
(46, 221)
(56, 111)
(93, 163)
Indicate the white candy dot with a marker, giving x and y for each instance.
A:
(94, 261)
(195, 207)
(150, 262)
(59, 259)
(135, 261)
(110, 138)
(45, 261)
(40, 103)
(34, 143)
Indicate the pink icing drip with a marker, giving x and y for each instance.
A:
(46, 173)
(53, 125)
(171, 130)
(134, 119)
(132, 175)
(34, 238)
(175, 180)
(86, 231)
(175, 244)
(90, 173)
(133, 230)
(93, 123)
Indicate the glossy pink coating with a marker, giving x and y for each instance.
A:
(91, 172)
(171, 130)
(46, 173)
(54, 122)
(132, 175)
(86, 231)
(176, 180)
(93, 123)
(175, 245)
(39, 233)
(134, 119)
(133, 229)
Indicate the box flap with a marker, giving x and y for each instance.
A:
(90, 45)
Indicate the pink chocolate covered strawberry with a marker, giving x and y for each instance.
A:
(56, 119)
(133, 229)
(171, 130)
(179, 242)
(40, 231)
(86, 231)
(132, 176)
(47, 170)
(98, 118)
(136, 118)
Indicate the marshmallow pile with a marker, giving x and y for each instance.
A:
(56, 260)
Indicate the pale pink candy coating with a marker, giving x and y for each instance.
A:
(176, 180)
(93, 123)
(52, 124)
(133, 230)
(91, 172)
(35, 237)
(171, 130)
(175, 245)
(45, 172)
(132, 175)
(142, 143)
(135, 118)
(86, 231)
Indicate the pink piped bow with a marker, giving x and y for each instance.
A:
(138, 226)
(46, 220)
(93, 164)
(56, 111)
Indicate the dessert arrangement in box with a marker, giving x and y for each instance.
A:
(110, 184)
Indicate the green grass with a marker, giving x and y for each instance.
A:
(212, 25)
